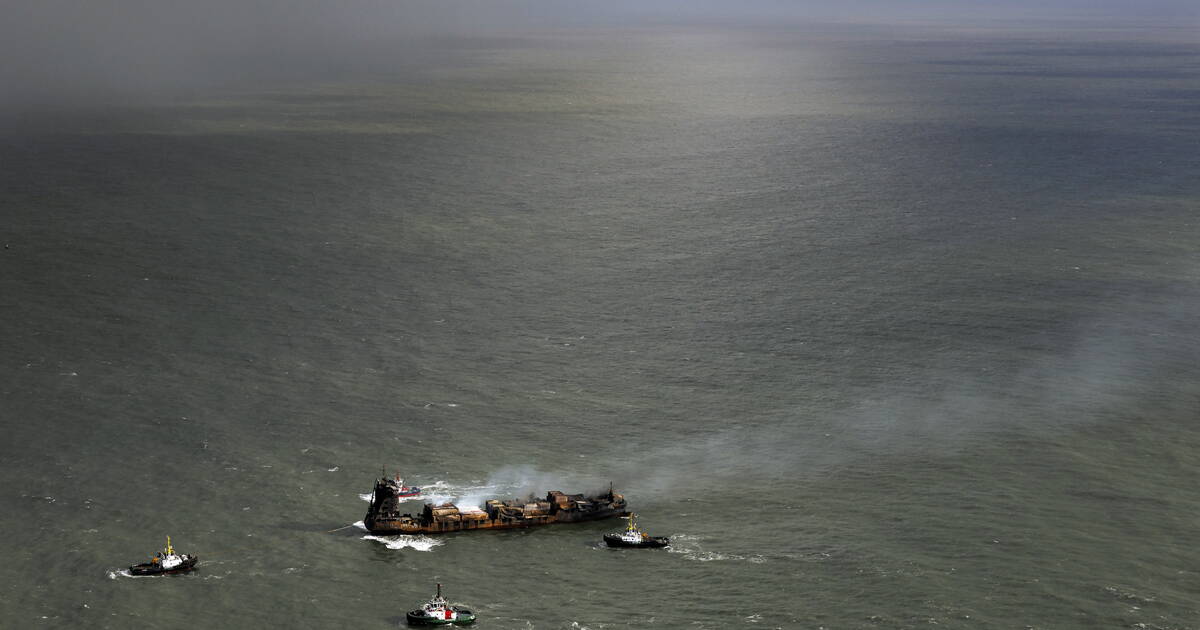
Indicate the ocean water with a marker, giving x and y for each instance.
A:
(885, 327)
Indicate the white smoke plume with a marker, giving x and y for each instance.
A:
(1137, 360)
(515, 482)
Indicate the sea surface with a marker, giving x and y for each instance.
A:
(884, 326)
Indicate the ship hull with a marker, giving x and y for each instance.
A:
(149, 568)
(419, 618)
(615, 540)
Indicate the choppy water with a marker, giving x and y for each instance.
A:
(885, 328)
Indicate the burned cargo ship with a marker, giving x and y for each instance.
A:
(384, 517)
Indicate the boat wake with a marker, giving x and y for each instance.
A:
(689, 547)
(402, 541)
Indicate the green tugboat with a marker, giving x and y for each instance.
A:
(437, 612)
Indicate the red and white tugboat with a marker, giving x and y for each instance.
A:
(437, 612)
(397, 487)
(165, 562)
(634, 537)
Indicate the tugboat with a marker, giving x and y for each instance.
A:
(165, 562)
(398, 489)
(634, 537)
(436, 612)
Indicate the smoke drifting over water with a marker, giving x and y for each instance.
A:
(1113, 371)
(519, 482)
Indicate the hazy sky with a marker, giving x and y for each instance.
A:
(55, 50)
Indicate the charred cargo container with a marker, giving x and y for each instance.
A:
(384, 517)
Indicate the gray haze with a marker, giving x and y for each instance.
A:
(63, 52)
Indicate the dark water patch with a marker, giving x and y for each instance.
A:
(1147, 74)
(316, 99)
(1190, 95)
(1117, 498)
(1103, 49)
(986, 63)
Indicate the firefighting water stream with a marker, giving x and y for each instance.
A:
(883, 328)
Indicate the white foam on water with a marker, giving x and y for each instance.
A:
(709, 556)
(402, 541)
(361, 525)
(365, 497)
(689, 547)
(124, 573)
